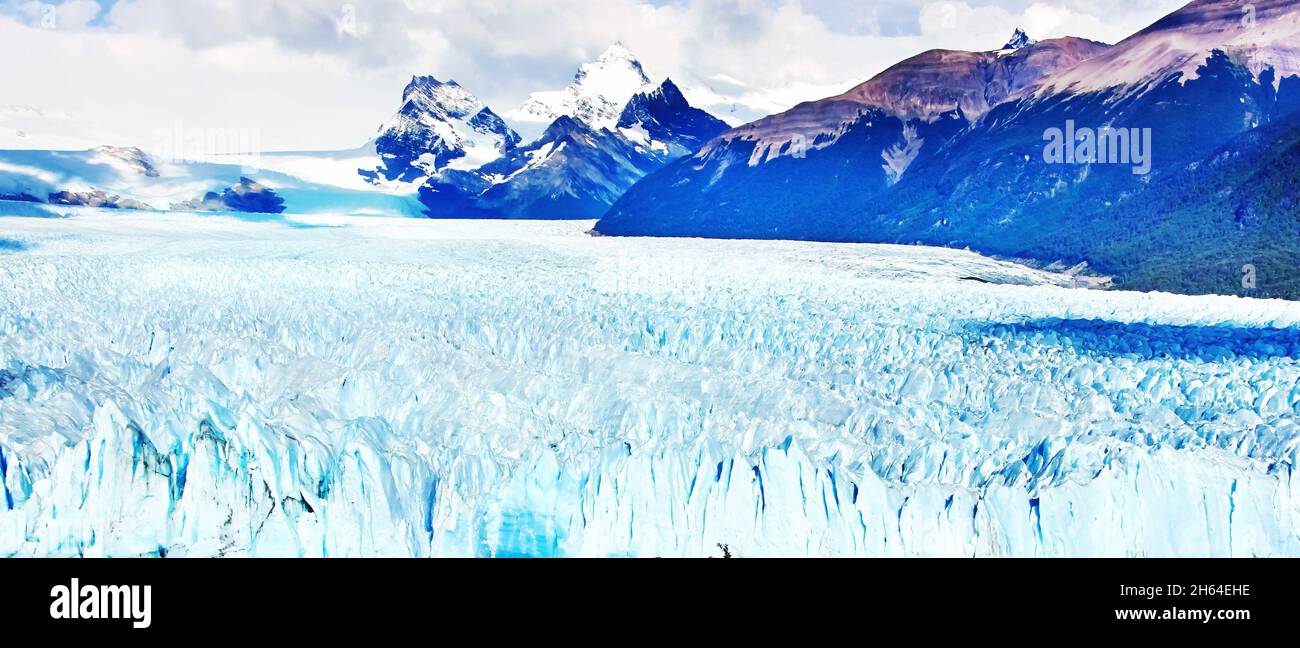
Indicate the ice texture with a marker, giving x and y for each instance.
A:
(184, 385)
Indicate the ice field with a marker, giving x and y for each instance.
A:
(188, 385)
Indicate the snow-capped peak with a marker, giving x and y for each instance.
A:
(599, 91)
(660, 119)
(426, 95)
(617, 54)
(126, 158)
(440, 125)
(1018, 40)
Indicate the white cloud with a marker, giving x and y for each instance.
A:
(325, 73)
(961, 25)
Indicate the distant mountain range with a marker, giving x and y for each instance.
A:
(950, 148)
(797, 174)
(1168, 161)
(605, 131)
(444, 153)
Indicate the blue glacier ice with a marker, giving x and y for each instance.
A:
(205, 386)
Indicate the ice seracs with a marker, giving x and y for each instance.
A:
(207, 386)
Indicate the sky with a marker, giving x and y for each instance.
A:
(324, 74)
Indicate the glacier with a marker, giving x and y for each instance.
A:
(211, 385)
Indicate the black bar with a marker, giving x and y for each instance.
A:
(1031, 599)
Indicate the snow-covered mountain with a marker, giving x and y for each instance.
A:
(440, 128)
(1193, 91)
(599, 93)
(588, 155)
(853, 145)
(977, 175)
(1018, 40)
(443, 146)
(573, 171)
(440, 125)
(934, 86)
(662, 121)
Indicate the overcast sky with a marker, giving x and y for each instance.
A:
(322, 74)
